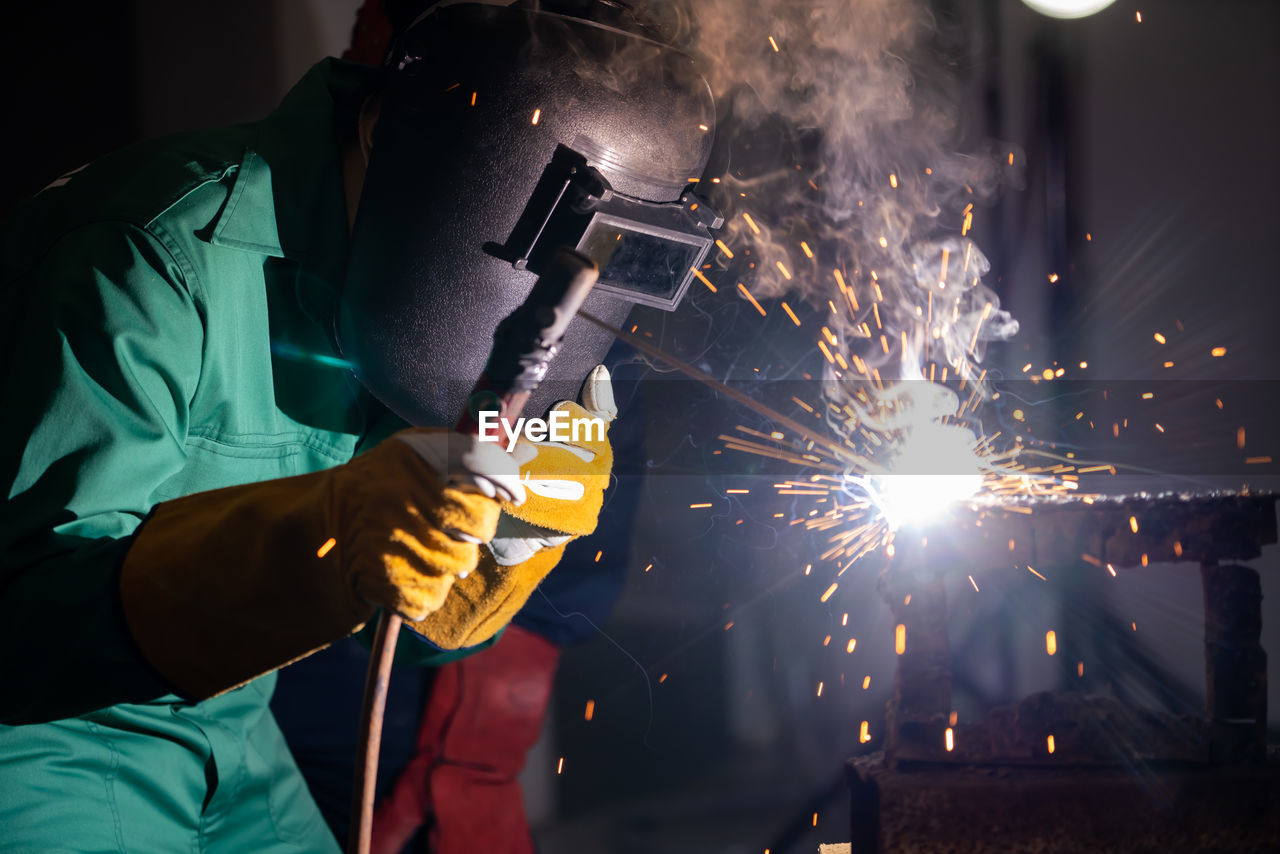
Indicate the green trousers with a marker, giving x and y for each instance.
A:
(159, 778)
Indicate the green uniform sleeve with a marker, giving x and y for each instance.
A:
(102, 353)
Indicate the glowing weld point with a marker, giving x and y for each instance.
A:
(935, 468)
(327, 547)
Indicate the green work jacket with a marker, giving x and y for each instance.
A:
(166, 330)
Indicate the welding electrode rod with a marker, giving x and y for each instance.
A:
(524, 345)
(706, 379)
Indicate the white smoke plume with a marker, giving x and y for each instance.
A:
(875, 188)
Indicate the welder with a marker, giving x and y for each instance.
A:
(211, 345)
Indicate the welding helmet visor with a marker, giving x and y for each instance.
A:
(503, 133)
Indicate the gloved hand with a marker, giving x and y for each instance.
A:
(222, 586)
(564, 485)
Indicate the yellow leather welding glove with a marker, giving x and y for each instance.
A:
(223, 586)
(564, 484)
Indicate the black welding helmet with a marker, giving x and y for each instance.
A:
(504, 132)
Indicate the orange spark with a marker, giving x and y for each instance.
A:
(327, 547)
(746, 293)
(703, 279)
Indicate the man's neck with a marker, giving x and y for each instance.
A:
(353, 169)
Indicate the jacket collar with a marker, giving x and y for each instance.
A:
(287, 200)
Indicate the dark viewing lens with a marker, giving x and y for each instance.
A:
(639, 262)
